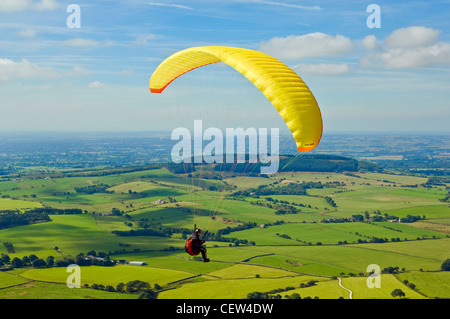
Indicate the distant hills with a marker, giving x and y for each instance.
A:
(288, 163)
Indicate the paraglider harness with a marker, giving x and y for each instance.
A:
(191, 247)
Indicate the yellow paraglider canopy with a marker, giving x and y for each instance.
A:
(282, 86)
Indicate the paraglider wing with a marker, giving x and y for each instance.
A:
(283, 87)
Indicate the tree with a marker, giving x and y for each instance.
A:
(92, 253)
(109, 288)
(120, 287)
(39, 263)
(5, 258)
(148, 294)
(157, 287)
(397, 293)
(258, 295)
(26, 261)
(50, 261)
(446, 265)
(293, 296)
(16, 263)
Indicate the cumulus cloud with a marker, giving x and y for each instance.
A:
(370, 42)
(410, 47)
(20, 5)
(24, 70)
(305, 46)
(412, 37)
(399, 58)
(322, 69)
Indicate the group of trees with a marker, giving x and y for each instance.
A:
(12, 219)
(275, 293)
(92, 189)
(142, 288)
(151, 228)
(56, 211)
(26, 261)
(91, 258)
(376, 216)
(9, 247)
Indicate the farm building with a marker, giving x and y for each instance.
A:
(137, 263)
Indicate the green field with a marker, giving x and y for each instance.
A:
(430, 284)
(43, 290)
(109, 275)
(283, 254)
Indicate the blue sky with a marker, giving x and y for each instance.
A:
(53, 78)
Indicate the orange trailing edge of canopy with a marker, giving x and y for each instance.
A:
(287, 92)
(154, 90)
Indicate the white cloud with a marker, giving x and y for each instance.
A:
(411, 47)
(125, 73)
(412, 37)
(144, 39)
(96, 85)
(158, 4)
(304, 46)
(46, 5)
(78, 71)
(23, 69)
(399, 58)
(78, 42)
(13, 5)
(283, 4)
(27, 33)
(322, 69)
(370, 42)
(20, 5)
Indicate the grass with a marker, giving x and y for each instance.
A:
(300, 234)
(435, 251)
(45, 290)
(279, 261)
(227, 289)
(74, 234)
(324, 290)
(109, 275)
(8, 280)
(241, 271)
(385, 199)
(354, 258)
(13, 204)
(181, 261)
(387, 284)
(430, 212)
(299, 264)
(430, 284)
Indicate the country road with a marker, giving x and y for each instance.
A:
(340, 284)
